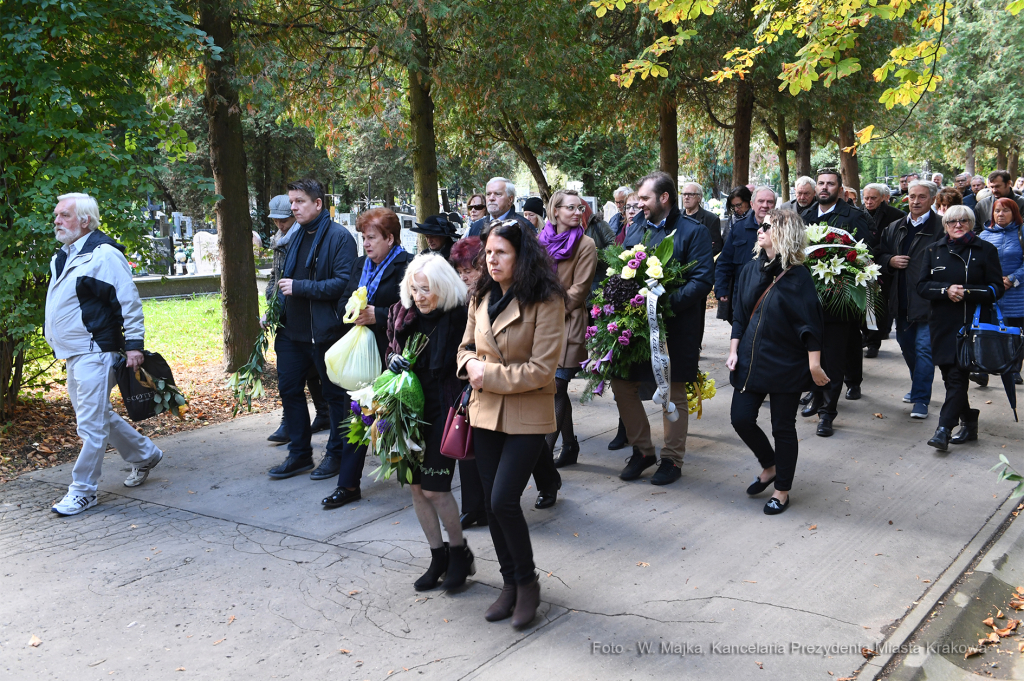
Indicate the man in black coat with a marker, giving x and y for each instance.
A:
(842, 345)
(316, 272)
(902, 256)
(876, 202)
(501, 205)
(693, 194)
(685, 332)
(739, 244)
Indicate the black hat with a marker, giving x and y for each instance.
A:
(535, 205)
(436, 225)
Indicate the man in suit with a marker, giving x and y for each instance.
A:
(803, 195)
(842, 342)
(962, 182)
(876, 202)
(693, 195)
(501, 205)
(619, 221)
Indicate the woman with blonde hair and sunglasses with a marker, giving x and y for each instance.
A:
(775, 351)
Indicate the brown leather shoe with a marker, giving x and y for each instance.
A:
(527, 600)
(502, 608)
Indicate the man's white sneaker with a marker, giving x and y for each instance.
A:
(141, 471)
(73, 504)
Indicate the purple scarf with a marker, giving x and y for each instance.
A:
(560, 246)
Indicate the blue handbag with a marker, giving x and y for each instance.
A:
(989, 348)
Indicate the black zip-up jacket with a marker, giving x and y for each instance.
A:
(890, 245)
(776, 336)
(975, 266)
(330, 262)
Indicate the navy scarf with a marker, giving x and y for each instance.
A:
(372, 274)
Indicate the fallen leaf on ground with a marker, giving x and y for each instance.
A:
(98, 662)
(867, 653)
(1016, 604)
(759, 665)
(1010, 626)
(988, 622)
(353, 592)
(1020, 590)
(878, 415)
(1020, 646)
(993, 637)
(180, 669)
(35, 641)
(813, 527)
(643, 564)
(220, 641)
(231, 619)
(749, 581)
(999, 614)
(988, 401)
(343, 651)
(971, 652)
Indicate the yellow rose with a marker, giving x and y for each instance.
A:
(653, 261)
(609, 272)
(625, 255)
(628, 272)
(654, 272)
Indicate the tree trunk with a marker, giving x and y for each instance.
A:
(421, 122)
(803, 148)
(741, 133)
(1013, 160)
(668, 134)
(969, 164)
(387, 194)
(783, 157)
(239, 298)
(526, 155)
(1000, 158)
(848, 165)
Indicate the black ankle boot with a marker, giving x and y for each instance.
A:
(940, 440)
(620, 438)
(460, 566)
(570, 453)
(968, 428)
(279, 436)
(438, 568)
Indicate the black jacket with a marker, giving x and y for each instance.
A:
(776, 336)
(890, 245)
(685, 328)
(330, 262)
(737, 251)
(386, 296)
(975, 266)
(884, 216)
(714, 225)
(443, 384)
(477, 226)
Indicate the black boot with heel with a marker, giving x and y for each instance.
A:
(439, 559)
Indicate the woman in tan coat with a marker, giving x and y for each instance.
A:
(575, 256)
(514, 339)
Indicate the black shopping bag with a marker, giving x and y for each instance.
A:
(139, 400)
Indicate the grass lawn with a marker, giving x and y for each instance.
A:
(186, 330)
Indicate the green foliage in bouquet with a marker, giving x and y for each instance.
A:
(844, 275)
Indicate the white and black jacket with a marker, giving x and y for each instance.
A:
(92, 304)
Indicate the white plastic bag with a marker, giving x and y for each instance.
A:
(353, 362)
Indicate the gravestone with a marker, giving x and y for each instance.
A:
(205, 253)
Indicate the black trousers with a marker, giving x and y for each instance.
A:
(836, 359)
(545, 474)
(956, 405)
(472, 488)
(745, 406)
(505, 463)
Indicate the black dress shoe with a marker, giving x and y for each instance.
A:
(980, 379)
(940, 440)
(853, 393)
(1017, 380)
(871, 352)
(340, 497)
(812, 408)
(321, 423)
(824, 427)
(569, 454)
(291, 467)
(280, 436)
(329, 467)
(775, 507)
(547, 499)
(667, 473)
(619, 442)
(806, 399)
(636, 465)
(757, 486)
(467, 520)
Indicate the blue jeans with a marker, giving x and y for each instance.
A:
(294, 360)
(916, 343)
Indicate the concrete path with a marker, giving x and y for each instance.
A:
(211, 570)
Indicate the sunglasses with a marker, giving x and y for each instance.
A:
(736, 206)
(477, 207)
(765, 227)
(958, 222)
(690, 194)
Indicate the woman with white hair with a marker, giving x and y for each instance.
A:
(777, 333)
(433, 302)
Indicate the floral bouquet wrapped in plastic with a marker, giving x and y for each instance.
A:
(386, 416)
(844, 275)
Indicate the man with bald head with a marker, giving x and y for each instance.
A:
(693, 196)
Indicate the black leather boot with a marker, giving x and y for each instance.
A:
(817, 399)
(619, 442)
(940, 440)
(570, 453)
(439, 559)
(291, 466)
(329, 467)
(279, 436)
(321, 422)
(968, 428)
(460, 566)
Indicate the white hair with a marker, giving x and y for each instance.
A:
(763, 188)
(882, 189)
(86, 208)
(442, 279)
(700, 189)
(623, 192)
(510, 188)
(804, 180)
(932, 188)
(938, 175)
(977, 177)
(963, 176)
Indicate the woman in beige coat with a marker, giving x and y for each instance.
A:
(514, 339)
(575, 256)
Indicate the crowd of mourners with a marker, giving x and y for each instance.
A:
(503, 304)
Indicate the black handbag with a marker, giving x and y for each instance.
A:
(989, 348)
(138, 399)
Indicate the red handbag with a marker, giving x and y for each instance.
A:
(457, 439)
